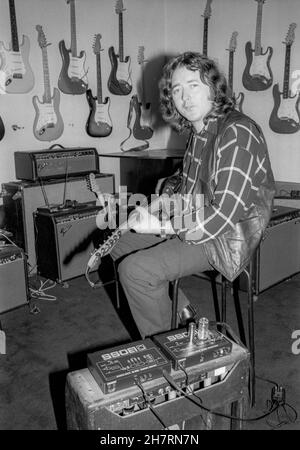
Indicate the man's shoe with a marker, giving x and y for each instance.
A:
(187, 315)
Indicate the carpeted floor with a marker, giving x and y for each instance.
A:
(42, 348)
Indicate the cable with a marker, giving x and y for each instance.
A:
(40, 292)
(148, 401)
(4, 235)
(172, 382)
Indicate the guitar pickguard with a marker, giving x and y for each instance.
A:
(16, 76)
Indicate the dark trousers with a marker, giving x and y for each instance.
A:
(151, 263)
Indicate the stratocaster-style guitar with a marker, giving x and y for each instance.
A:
(73, 76)
(206, 15)
(48, 124)
(119, 82)
(142, 128)
(99, 123)
(257, 75)
(232, 46)
(133, 123)
(107, 246)
(285, 116)
(16, 76)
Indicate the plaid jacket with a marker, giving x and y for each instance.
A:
(240, 165)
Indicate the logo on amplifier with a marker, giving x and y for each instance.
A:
(123, 351)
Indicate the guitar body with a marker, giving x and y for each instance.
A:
(99, 123)
(285, 116)
(2, 129)
(72, 78)
(257, 75)
(16, 75)
(139, 131)
(48, 124)
(119, 82)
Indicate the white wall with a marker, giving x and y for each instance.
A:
(164, 27)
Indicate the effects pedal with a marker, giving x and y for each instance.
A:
(196, 345)
(120, 367)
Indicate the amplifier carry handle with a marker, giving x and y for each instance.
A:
(56, 145)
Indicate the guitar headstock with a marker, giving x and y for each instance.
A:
(232, 42)
(92, 184)
(290, 36)
(119, 7)
(41, 36)
(141, 54)
(207, 11)
(97, 44)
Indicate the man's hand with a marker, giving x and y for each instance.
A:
(141, 221)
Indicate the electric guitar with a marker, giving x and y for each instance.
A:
(107, 246)
(16, 76)
(72, 78)
(48, 124)
(133, 124)
(99, 123)
(285, 116)
(232, 46)
(206, 15)
(257, 75)
(143, 108)
(119, 82)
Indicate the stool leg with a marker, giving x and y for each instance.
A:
(223, 299)
(249, 274)
(117, 284)
(174, 321)
(238, 311)
(215, 296)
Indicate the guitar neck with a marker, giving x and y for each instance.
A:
(73, 29)
(99, 79)
(121, 42)
(13, 25)
(47, 87)
(258, 48)
(286, 74)
(230, 72)
(205, 36)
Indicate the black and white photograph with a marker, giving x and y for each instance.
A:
(149, 218)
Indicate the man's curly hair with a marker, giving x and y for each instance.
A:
(209, 73)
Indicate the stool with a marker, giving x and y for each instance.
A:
(222, 318)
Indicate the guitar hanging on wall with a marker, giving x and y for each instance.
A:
(285, 116)
(16, 76)
(119, 82)
(206, 15)
(240, 98)
(257, 75)
(132, 142)
(73, 76)
(48, 124)
(99, 123)
(142, 129)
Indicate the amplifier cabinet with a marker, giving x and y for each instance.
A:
(88, 408)
(278, 256)
(55, 163)
(14, 289)
(65, 241)
(21, 199)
